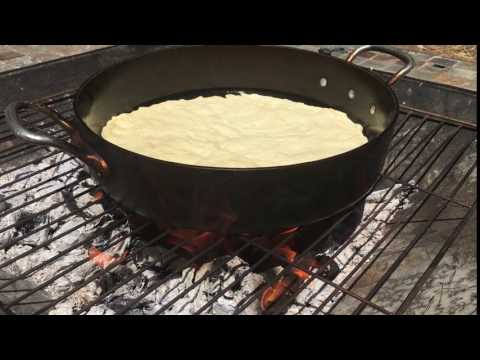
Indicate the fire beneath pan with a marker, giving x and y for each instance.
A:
(283, 249)
(95, 258)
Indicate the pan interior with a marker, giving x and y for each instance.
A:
(184, 72)
(190, 95)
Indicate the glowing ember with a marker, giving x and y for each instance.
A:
(195, 241)
(102, 259)
(274, 293)
(99, 164)
(99, 196)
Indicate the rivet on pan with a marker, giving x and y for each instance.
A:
(323, 82)
(351, 94)
(373, 110)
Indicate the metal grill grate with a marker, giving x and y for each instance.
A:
(431, 167)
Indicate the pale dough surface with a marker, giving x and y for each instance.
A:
(236, 131)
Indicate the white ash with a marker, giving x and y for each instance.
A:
(89, 293)
(14, 248)
(189, 303)
(317, 292)
(200, 294)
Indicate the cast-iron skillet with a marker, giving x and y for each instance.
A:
(244, 200)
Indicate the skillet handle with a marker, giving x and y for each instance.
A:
(15, 124)
(407, 59)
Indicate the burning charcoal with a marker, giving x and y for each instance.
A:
(27, 222)
(331, 271)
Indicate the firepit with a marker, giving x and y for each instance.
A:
(67, 248)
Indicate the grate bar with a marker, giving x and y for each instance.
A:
(73, 266)
(315, 275)
(264, 258)
(241, 277)
(425, 142)
(291, 298)
(64, 114)
(432, 159)
(36, 161)
(399, 128)
(442, 118)
(402, 257)
(435, 154)
(409, 137)
(37, 185)
(18, 149)
(48, 262)
(362, 227)
(29, 151)
(44, 227)
(406, 136)
(368, 257)
(217, 266)
(377, 210)
(404, 154)
(5, 311)
(438, 196)
(64, 96)
(436, 261)
(12, 210)
(135, 301)
(134, 275)
(48, 242)
(47, 210)
(35, 173)
(427, 220)
(101, 273)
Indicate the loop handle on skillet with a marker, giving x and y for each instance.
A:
(404, 57)
(36, 137)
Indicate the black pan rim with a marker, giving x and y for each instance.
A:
(377, 138)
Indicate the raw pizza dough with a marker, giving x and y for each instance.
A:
(236, 131)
